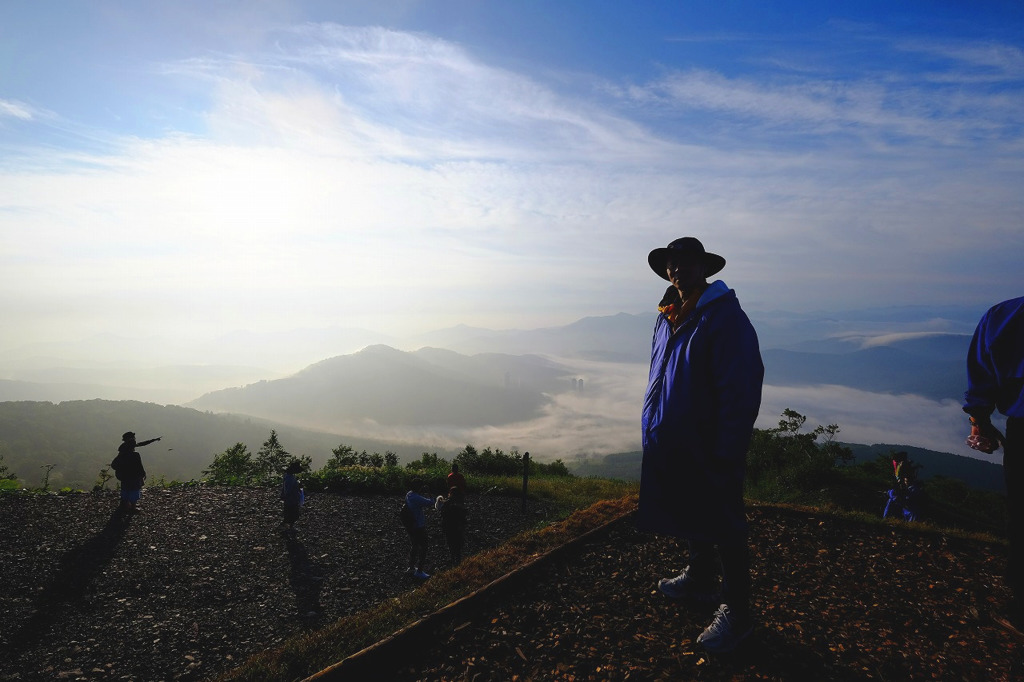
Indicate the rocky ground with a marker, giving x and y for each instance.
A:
(204, 577)
(199, 580)
(835, 599)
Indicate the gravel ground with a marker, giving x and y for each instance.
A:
(200, 579)
(834, 599)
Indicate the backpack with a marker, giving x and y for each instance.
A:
(408, 520)
(116, 466)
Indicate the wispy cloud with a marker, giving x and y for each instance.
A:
(338, 169)
(14, 109)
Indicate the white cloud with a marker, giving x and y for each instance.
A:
(605, 418)
(871, 418)
(393, 180)
(15, 109)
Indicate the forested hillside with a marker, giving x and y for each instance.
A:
(81, 437)
(973, 472)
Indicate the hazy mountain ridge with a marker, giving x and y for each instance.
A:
(506, 388)
(110, 362)
(385, 386)
(884, 369)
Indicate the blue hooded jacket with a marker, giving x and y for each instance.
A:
(703, 396)
(995, 362)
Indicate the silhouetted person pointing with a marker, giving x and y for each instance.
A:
(128, 468)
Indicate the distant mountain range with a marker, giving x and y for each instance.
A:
(467, 382)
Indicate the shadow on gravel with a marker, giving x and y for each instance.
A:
(305, 580)
(75, 570)
(772, 656)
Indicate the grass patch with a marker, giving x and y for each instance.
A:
(566, 493)
(874, 519)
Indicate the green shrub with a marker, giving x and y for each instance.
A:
(234, 466)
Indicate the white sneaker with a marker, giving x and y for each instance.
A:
(725, 632)
(685, 587)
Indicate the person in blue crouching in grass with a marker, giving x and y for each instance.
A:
(703, 396)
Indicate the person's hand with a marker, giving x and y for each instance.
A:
(984, 437)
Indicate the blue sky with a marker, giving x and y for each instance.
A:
(183, 170)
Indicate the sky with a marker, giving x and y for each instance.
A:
(182, 171)
(191, 169)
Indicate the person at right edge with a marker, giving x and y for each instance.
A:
(703, 396)
(995, 380)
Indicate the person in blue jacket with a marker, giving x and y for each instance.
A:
(995, 381)
(418, 501)
(703, 396)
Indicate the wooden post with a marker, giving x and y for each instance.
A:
(526, 476)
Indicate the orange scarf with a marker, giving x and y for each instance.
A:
(675, 313)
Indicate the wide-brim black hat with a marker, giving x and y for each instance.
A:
(684, 247)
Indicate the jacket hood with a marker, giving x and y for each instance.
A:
(715, 291)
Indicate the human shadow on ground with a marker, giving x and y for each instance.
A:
(76, 570)
(770, 655)
(305, 579)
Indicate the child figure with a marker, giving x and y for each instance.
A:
(453, 522)
(417, 502)
(292, 495)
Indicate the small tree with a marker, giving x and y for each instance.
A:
(840, 454)
(46, 475)
(390, 459)
(782, 461)
(234, 466)
(427, 460)
(342, 456)
(5, 473)
(376, 460)
(101, 480)
(468, 459)
(271, 459)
